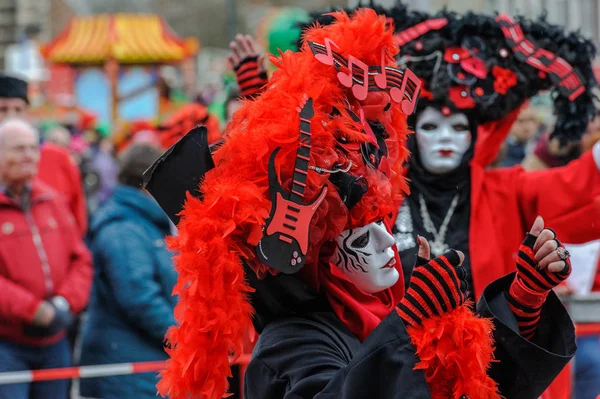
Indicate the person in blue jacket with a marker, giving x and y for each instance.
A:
(131, 306)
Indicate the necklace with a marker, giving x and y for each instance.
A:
(438, 246)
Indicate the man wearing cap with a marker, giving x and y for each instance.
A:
(56, 167)
(13, 97)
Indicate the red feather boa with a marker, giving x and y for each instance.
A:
(455, 352)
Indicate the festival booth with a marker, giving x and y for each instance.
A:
(110, 64)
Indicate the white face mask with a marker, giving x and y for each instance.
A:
(366, 257)
(442, 140)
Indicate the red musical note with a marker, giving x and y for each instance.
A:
(381, 78)
(359, 90)
(408, 106)
(367, 128)
(327, 59)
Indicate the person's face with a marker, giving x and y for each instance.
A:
(442, 140)
(12, 108)
(19, 155)
(366, 257)
(525, 127)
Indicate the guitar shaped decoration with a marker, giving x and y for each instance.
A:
(286, 235)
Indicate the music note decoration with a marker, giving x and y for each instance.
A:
(284, 244)
(403, 86)
(413, 33)
(560, 72)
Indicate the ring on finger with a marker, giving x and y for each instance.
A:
(563, 253)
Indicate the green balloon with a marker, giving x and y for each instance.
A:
(103, 128)
(283, 32)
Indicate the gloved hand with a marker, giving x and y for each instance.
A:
(436, 287)
(540, 268)
(247, 60)
(62, 320)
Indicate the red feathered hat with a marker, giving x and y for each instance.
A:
(317, 153)
(185, 120)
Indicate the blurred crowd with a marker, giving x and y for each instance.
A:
(71, 197)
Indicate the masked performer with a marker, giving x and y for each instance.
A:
(290, 232)
(477, 71)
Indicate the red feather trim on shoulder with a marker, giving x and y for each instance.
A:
(455, 351)
(213, 310)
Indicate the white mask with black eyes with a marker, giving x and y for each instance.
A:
(442, 140)
(366, 257)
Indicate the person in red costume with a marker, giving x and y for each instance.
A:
(479, 69)
(56, 167)
(288, 229)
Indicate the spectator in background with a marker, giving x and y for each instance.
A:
(60, 136)
(59, 171)
(13, 97)
(99, 168)
(131, 306)
(45, 269)
(56, 167)
(521, 137)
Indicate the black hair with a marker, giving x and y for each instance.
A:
(134, 161)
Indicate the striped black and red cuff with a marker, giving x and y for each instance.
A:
(249, 77)
(435, 288)
(531, 276)
(526, 304)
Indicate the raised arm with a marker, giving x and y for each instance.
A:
(561, 194)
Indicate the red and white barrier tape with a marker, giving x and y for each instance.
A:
(107, 370)
(19, 377)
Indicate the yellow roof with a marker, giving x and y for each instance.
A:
(128, 38)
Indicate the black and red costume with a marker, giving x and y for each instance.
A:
(318, 152)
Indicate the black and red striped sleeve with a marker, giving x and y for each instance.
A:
(249, 77)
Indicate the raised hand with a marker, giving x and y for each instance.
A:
(542, 264)
(436, 287)
(247, 59)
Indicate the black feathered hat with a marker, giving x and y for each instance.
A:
(488, 66)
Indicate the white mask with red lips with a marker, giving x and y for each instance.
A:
(366, 257)
(442, 140)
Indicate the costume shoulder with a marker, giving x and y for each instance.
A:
(316, 356)
(524, 369)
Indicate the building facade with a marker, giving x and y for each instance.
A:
(38, 20)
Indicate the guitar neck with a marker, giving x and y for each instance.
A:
(301, 165)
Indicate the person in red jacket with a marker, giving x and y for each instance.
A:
(59, 171)
(56, 168)
(45, 268)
